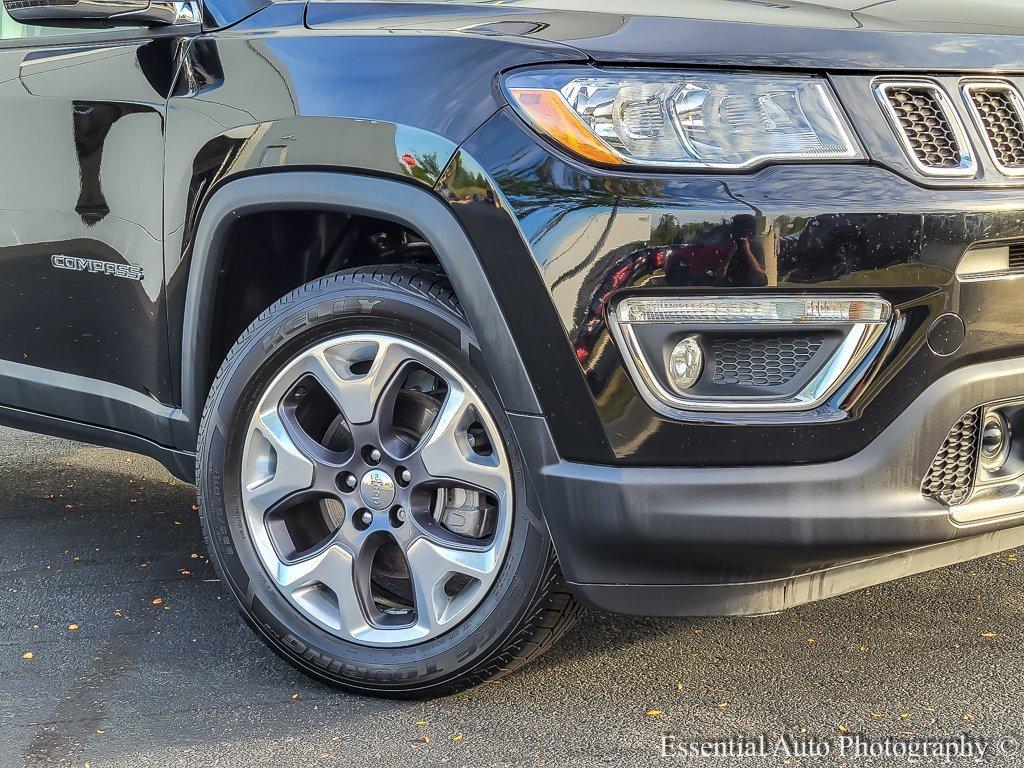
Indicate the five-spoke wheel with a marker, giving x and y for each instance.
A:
(376, 489)
(363, 494)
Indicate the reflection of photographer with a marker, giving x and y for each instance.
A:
(744, 264)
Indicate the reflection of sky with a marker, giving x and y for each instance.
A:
(720, 10)
(573, 220)
(979, 16)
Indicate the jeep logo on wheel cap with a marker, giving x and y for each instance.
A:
(377, 489)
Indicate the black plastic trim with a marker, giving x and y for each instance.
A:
(87, 401)
(181, 464)
(396, 201)
(698, 526)
(771, 596)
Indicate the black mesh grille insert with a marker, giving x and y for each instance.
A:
(1003, 123)
(767, 361)
(950, 478)
(926, 126)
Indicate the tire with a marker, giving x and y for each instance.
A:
(509, 601)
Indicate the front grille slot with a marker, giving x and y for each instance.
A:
(950, 478)
(769, 361)
(1016, 255)
(928, 127)
(998, 109)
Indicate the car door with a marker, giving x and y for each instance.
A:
(82, 320)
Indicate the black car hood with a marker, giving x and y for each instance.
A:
(924, 35)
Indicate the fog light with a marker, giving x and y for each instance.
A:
(746, 353)
(995, 442)
(685, 364)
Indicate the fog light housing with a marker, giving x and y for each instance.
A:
(996, 437)
(746, 353)
(686, 363)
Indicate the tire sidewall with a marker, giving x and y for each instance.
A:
(327, 308)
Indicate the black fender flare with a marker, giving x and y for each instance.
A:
(397, 201)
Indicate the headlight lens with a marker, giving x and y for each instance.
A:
(684, 120)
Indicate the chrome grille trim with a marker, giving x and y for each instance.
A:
(1003, 136)
(886, 92)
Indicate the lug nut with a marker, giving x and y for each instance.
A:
(405, 476)
(400, 514)
(366, 517)
(374, 455)
(350, 481)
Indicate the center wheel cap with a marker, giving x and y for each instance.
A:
(377, 489)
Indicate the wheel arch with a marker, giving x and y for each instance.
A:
(391, 200)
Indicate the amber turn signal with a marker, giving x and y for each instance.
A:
(552, 116)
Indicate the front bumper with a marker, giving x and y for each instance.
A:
(655, 515)
(719, 540)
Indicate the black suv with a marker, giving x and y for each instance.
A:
(462, 315)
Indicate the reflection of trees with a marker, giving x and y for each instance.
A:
(427, 169)
(466, 180)
(669, 231)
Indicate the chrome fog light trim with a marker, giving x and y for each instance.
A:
(861, 319)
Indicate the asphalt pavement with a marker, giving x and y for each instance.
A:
(118, 647)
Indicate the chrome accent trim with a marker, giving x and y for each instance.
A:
(143, 12)
(985, 261)
(966, 90)
(861, 338)
(968, 163)
(987, 509)
(166, 13)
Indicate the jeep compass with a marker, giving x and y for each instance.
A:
(464, 315)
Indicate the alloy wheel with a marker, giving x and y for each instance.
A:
(377, 489)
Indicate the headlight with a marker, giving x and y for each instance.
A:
(684, 119)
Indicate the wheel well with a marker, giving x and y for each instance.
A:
(269, 253)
